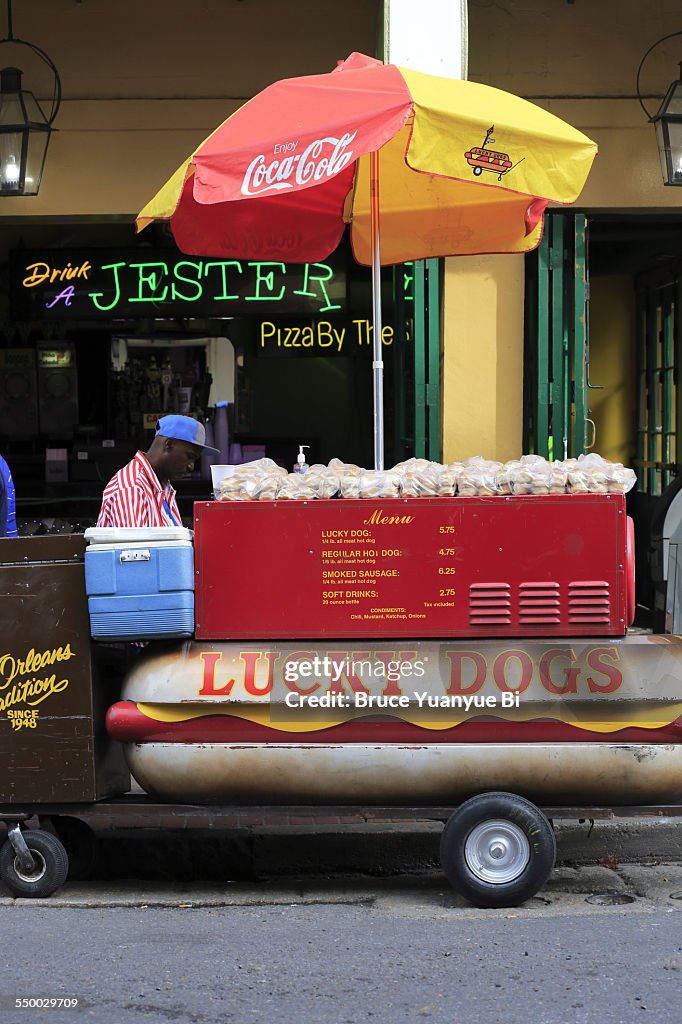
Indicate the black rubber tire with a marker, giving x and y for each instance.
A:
(51, 868)
(80, 843)
(529, 834)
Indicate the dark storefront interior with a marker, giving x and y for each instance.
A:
(102, 331)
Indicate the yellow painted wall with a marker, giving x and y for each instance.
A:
(612, 364)
(483, 357)
(579, 61)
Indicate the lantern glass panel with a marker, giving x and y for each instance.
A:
(674, 104)
(11, 113)
(35, 160)
(34, 113)
(10, 162)
(669, 140)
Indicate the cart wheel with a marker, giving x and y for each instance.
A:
(50, 868)
(478, 170)
(80, 843)
(497, 849)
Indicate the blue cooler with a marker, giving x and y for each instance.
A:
(140, 582)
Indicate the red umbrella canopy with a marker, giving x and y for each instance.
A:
(282, 176)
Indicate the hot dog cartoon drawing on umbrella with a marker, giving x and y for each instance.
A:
(482, 159)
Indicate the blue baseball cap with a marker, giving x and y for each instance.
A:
(184, 428)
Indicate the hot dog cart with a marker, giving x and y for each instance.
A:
(461, 659)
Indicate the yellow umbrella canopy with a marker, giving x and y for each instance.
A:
(462, 168)
(419, 166)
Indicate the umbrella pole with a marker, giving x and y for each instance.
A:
(377, 363)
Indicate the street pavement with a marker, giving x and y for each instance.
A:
(597, 946)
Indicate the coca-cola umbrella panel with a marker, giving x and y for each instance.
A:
(419, 166)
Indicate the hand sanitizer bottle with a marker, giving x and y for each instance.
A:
(300, 466)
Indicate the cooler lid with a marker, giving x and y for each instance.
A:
(137, 534)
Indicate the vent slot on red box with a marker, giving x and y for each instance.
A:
(589, 601)
(539, 603)
(489, 604)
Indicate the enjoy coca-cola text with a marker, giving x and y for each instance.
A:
(323, 158)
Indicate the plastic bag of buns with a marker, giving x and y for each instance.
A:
(259, 467)
(621, 479)
(349, 485)
(252, 481)
(322, 480)
(593, 474)
(379, 483)
(239, 488)
(530, 475)
(296, 487)
(370, 483)
(448, 481)
(344, 468)
(478, 477)
(506, 475)
(596, 471)
(587, 474)
(268, 488)
(558, 477)
(418, 477)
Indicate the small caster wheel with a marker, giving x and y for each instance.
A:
(50, 865)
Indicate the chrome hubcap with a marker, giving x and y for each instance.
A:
(497, 851)
(38, 870)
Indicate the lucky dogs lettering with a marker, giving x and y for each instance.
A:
(559, 671)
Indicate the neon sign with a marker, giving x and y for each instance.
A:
(321, 337)
(102, 284)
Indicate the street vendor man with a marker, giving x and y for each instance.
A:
(140, 494)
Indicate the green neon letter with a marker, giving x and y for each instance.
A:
(223, 265)
(151, 278)
(268, 279)
(117, 294)
(196, 286)
(408, 281)
(324, 273)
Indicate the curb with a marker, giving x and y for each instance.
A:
(378, 850)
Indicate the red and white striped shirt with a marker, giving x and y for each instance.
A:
(135, 497)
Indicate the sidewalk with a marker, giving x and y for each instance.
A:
(349, 845)
(583, 890)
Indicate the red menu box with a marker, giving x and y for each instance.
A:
(535, 565)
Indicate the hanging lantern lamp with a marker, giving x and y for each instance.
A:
(24, 129)
(667, 122)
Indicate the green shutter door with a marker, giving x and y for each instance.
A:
(556, 341)
(417, 362)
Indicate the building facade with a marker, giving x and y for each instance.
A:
(144, 83)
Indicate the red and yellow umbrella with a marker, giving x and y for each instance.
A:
(419, 166)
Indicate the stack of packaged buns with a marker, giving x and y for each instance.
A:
(264, 480)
